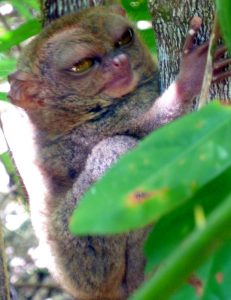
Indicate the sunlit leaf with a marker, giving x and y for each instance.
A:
(3, 96)
(7, 66)
(190, 254)
(32, 3)
(165, 237)
(138, 11)
(22, 9)
(224, 14)
(165, 170)
(15, 37)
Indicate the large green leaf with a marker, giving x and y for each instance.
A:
(217, 279)
(211, 280)
(224, 14)
(189, 255)
(172, 229)
(165, 170)
(15, 37)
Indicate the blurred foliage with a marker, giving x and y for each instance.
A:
(137, 11)
(18, 22)
(224, 14)
(15, 37)
(185, 192)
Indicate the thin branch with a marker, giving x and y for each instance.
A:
(215, 35)
(4, 283)
(37, 286)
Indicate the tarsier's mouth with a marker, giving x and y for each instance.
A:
(121, 85)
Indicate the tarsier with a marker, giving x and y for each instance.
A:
(88, 91)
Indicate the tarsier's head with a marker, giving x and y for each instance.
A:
(94, 54)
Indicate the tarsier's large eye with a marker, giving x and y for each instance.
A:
(126, 38)
(83, 65)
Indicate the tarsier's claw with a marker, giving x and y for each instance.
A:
(219, 73)
(195, 25)
(221, 76)
(222, 64)
(220, 52)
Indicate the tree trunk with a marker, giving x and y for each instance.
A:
(53, 9)
(170, 23)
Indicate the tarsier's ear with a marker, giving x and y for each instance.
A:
(117, 9)
(24, 90)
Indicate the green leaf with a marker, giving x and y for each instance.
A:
(3, 96)
(5, 158)
(22, 9)
(189, 255)
(15, 37)
(217, 279)
(7, 66)
(137, 10)
(149, 40)
(32, 4)
(211, 280)
(165, 238)
(159, 175)
(8, 164)
(224, 14)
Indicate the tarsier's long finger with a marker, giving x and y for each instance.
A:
(203, 48)
(195, 25)
(221, 76)
(221, 64)
(220, 52)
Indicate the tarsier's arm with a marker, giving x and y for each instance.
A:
(177, 100)
(88, 90)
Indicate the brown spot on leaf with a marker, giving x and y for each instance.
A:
(219, 277)
(140, 196)
(199, 124)
(197, 284)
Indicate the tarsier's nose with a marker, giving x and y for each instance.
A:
(120, 61)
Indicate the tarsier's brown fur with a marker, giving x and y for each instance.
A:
(76, 125)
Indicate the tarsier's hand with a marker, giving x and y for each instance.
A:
(177, 100)
(194, 61)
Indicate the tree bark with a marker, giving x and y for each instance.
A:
(170, 23)
(54, 9)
